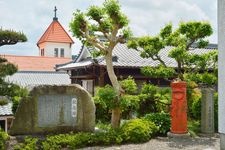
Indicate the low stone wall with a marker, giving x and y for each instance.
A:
(55, 109)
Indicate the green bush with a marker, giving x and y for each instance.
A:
(109, 137)
(193, 127)
(60, 141)
(193, 100)
(73, 141)
(29, 144)
(138, 130)
(161, 120)
(129, 85)
(154, 99)
(129, 104)
(3, 138)
(104, 102)
(147, 103)
(3, 102)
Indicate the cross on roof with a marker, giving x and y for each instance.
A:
(55, 18)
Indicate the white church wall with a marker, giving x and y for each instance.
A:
(50, 49)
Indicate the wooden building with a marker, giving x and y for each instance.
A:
(90, 72)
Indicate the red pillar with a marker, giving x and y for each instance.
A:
(179, 108)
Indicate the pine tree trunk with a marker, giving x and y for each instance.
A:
(115, 118)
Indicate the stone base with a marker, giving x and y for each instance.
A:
(174, 135)
(206, 134)
(222, 141)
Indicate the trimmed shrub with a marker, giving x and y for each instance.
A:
(161, 120)
(138, 130)
(129, 104)
(111, 136)
(3, 138)
(154, 99)
(60, 141)
(104, 102)
(74, 141)
(129, 85)
(29, 144)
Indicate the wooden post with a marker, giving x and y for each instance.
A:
(102, 77)
(6, 125)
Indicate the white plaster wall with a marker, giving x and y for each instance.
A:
(50, 47)
(221, 48)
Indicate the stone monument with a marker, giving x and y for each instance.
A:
(207, 111)
(55, 109)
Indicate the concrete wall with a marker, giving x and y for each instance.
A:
(49, 48)
(221, 82)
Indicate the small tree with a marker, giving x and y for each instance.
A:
(112, 24)
(181, 39)
(10, 37)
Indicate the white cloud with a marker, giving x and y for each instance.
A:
(146, 17)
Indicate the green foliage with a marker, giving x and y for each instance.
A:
(3, 102)
(154, 99)
(111, 136)
(158, 72)
(102, 112)
(72, 141)
(138, 130)
(194, 127)
(107, 20)
(129, 85)
(194, 30)
(161, 120)
(13, 91)
(29, 144)
(193, 100)
(6, 68)
(105, 99)
(9, 37)
(106, 96)
(3, 138)
(78, 25)
(181, 39)
(129, 104)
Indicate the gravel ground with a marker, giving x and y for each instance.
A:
(164, 143)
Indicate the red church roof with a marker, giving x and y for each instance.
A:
(55, 33)
(35, 63)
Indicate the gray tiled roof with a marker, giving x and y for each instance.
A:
(33, 78)
(6, 110)
(131, 58)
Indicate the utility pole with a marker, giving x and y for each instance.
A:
(221, 72)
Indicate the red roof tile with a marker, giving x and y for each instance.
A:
(55, 33)
(35, 63)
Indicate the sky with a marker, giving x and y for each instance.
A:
(146, 17)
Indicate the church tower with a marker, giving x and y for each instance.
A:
(55, 42)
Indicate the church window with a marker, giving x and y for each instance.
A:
(62, 52)
(42, 52)
(56, 52)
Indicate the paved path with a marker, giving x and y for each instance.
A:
(164, 143)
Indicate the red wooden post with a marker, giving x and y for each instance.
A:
(179, 108)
